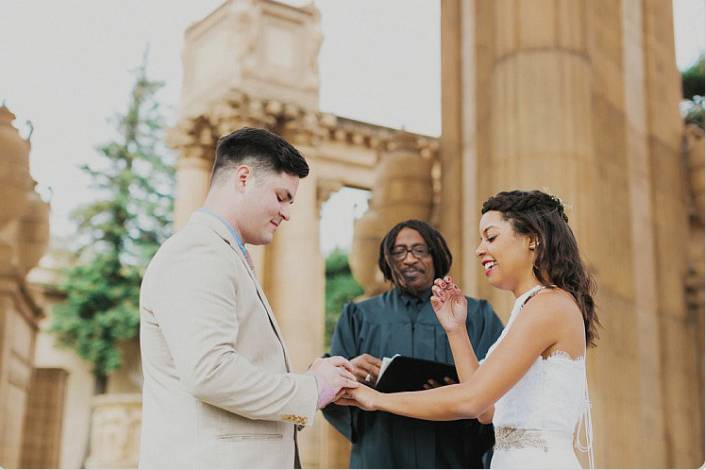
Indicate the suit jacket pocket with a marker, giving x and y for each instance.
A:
(250, 436)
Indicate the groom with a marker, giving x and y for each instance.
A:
(218, 391)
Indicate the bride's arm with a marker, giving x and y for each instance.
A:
(453, 319)
(451, 309)
(466, 364)
(543, 321)
(463, 354)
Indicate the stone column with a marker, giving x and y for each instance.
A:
(679, 345)
(194, 141)
(694, 141)
(540, 127)
(402, 190)
(19, 314)
(580, 98)
(644, 289)
(452, 201)
(294, 277)
(192, 179)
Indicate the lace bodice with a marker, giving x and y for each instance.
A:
(551, 396)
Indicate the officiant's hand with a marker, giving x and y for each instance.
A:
(431, 383)
(366, 368)
(362, 396)
(449, 304)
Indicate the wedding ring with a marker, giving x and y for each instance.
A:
(368, 378)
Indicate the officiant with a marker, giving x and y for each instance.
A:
(401, 321)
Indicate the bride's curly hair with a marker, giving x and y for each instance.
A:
(541, 216)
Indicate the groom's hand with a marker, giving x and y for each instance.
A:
(332, 374)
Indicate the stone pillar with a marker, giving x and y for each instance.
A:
(402, 190)
(681, 354)
(115, 431)
(465, 149)
(694, 143)
(540, 128)
(633, 110)
(579, 98)
(452, 201)
(19, 314)
(192, 178)
(194, 141)
(294, 278)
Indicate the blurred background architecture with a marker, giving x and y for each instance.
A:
(578, 97)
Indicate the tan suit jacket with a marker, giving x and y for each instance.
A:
(217, 389)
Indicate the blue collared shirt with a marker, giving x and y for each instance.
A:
(231, 229)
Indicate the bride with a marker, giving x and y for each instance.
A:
(532, 383)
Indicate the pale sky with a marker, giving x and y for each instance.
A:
(65, 65)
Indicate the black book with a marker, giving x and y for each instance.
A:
(408, 374)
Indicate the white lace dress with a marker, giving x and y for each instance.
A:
(537, 420)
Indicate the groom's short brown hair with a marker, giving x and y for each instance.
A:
(260, 148)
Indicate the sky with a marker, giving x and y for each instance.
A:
(66, 65)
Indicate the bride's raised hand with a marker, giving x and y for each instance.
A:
(449, 304)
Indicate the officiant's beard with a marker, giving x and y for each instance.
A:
(401, 282)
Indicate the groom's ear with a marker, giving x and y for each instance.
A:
(243, 176)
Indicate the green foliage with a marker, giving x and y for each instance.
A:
(693, 91)
(341, 288)
(693, 79)
(119, 231)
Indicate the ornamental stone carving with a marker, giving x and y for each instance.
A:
(268, 50)
(14, 169)
(32, 232)
(192, 138)
(115, 431)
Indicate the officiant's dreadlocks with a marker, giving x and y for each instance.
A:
(438, 249)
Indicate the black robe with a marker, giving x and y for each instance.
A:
(396, 323)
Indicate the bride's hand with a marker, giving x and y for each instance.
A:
(449, 304)
(362, 396)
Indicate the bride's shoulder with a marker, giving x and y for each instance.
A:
(552, 305)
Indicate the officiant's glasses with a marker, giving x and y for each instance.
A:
(399, 253)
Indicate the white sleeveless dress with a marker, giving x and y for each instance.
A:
(537, 420)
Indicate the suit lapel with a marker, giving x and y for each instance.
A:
(263, 299)
(217, 226)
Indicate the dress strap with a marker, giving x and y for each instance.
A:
(587, 427)
(531, 293)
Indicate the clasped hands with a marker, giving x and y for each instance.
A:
(449, 305)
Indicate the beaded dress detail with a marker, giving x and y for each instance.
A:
(537, 420)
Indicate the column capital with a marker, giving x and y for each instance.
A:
(304, 127)
(192, 138)
(240, 110)
(325, 187)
